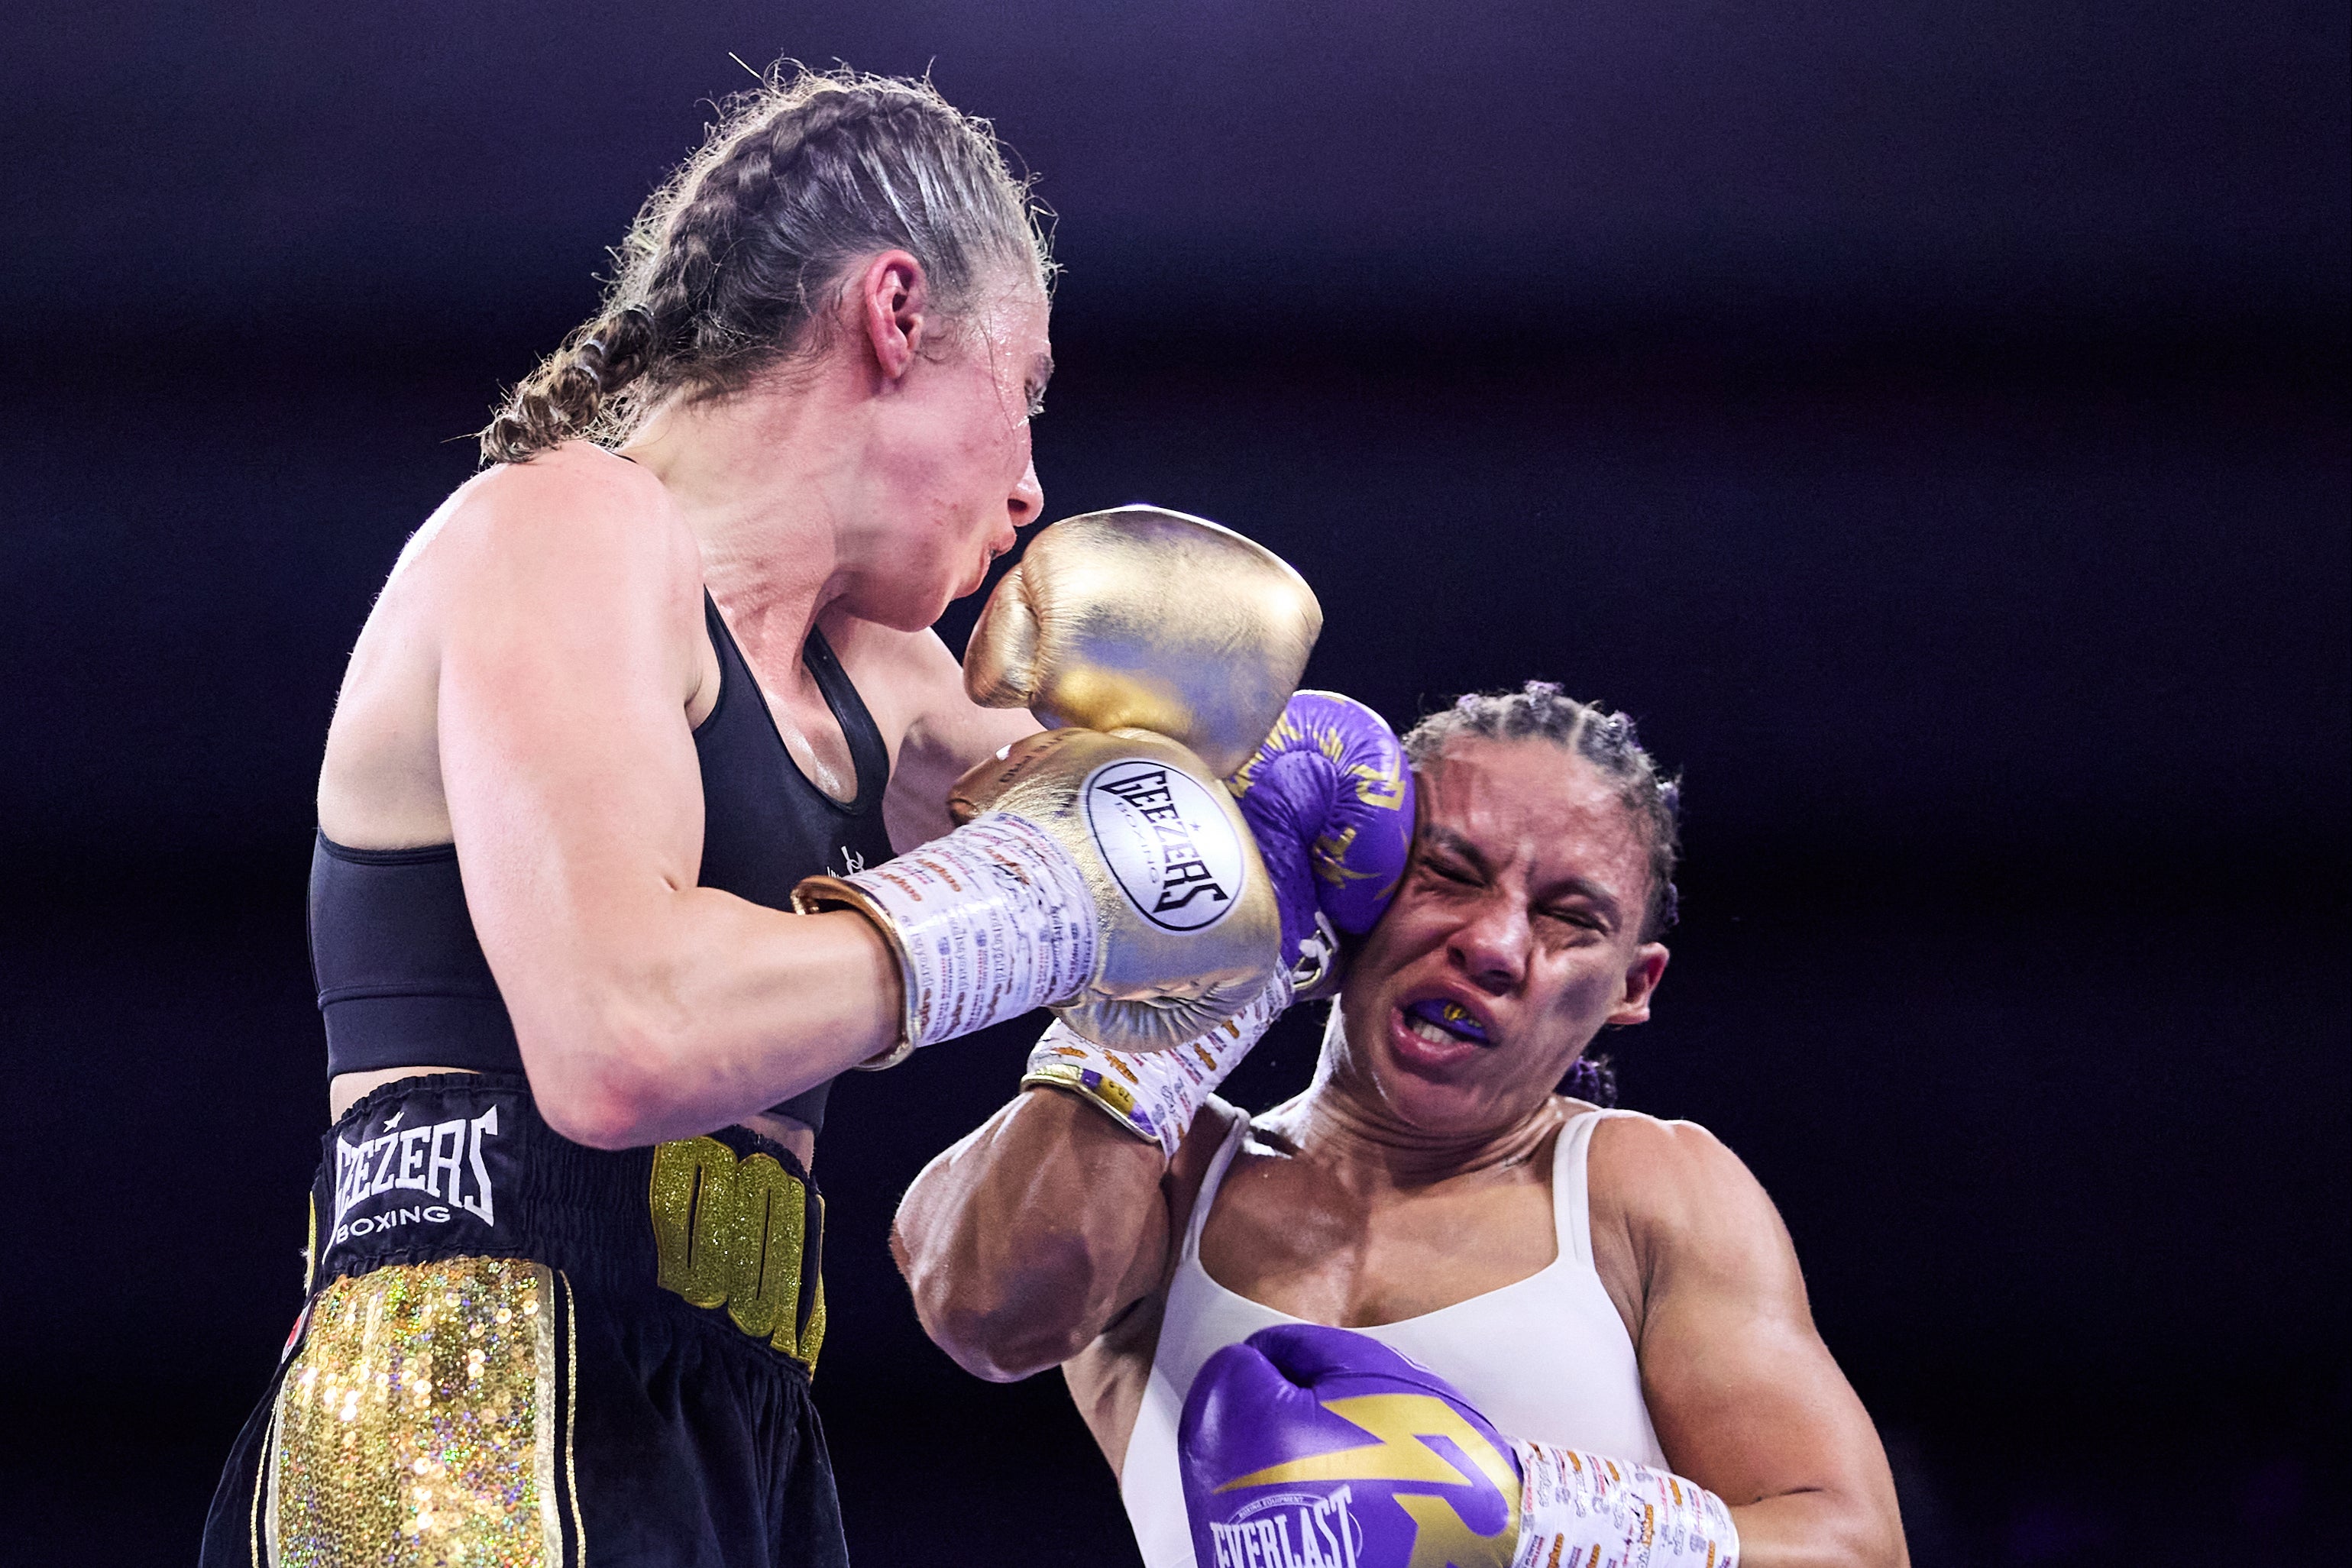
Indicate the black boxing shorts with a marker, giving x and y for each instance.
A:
(516, 1350)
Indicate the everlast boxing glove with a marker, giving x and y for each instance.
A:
(1314, 1446)
(1328, 796)
(1145, 618)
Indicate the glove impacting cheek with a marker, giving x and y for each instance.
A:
(1361, 857)
(1288, 802)
(1329, 796)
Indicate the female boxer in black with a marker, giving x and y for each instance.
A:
(668, 656)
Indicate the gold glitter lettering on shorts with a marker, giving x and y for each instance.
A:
(692, 1199)
(770, 1208)
(812, 1338)
(738, 1235)
(415, 1427)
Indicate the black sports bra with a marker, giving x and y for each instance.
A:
(402, 978)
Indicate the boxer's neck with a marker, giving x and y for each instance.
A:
(760, 480)
(1362, 1139)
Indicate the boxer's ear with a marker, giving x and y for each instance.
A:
(890, 304)
(1648, 966)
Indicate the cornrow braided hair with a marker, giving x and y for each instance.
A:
(1609, 743)
(730, 265)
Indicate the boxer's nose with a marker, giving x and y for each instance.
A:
(1491, 947)
(1025, 503)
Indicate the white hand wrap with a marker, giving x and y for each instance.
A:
(1581, 1511)
(989, 921)
(1155, 1094)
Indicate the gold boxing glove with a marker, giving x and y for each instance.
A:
(1140, 618)
(1110, 877)
(1190, 931)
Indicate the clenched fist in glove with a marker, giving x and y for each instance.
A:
(1139, 618)
(1102, 869)
(1328, 796)
(1305, 1444)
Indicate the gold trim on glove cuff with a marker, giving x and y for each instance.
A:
(822, 894)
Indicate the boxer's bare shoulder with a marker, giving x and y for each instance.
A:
(1672, 1208)
(575, 538)
(592, 499)
(576, 520)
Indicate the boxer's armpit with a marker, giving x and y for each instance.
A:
(1108, 1379)
(1187, 1172)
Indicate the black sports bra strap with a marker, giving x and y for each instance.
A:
(867, 753)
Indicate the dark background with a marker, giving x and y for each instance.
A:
(1929, 419)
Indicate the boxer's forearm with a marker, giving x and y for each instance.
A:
(1819, 1530)
(1024, 1241)
(690, 1010)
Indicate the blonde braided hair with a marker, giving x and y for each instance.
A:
(732, 261)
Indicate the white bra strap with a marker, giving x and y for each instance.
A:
(1571, 1202)
(1207, 1197)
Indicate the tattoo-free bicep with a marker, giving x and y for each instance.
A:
(1745, 1398)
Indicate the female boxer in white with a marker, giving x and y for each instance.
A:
(1592, 1280)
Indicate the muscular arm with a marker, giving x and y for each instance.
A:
(1027, 1238)
(1745, 1396)
(946, 733)
(645, 1007)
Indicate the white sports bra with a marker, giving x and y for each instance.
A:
(1546, 1357)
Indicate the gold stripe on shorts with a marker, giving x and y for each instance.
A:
(417, 1425)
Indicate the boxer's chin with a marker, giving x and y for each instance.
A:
(1439, 1087)
(970, 584)
(1447, 1087)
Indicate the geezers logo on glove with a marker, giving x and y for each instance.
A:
(1173, 850)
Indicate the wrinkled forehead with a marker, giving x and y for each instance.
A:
(1535, 805)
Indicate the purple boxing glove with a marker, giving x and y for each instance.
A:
(1328, 796)
(1307, 1446)
(1321, 1443)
